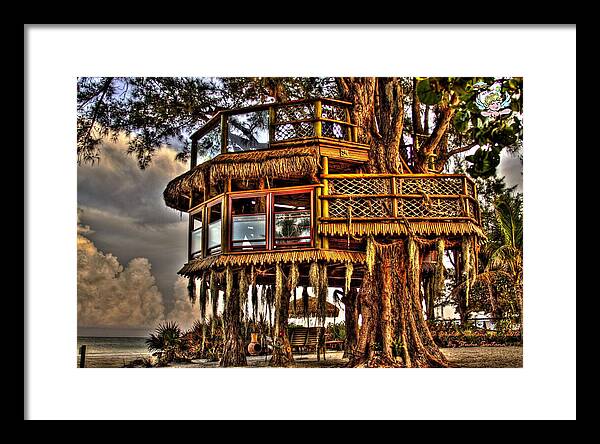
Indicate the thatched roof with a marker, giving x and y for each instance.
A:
(421, 228)
(196, 266)
(282, 163)
(297, 310)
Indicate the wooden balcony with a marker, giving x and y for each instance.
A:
(402, 204)
(321, 122)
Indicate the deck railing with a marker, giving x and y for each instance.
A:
(398, 197)
(267, 126)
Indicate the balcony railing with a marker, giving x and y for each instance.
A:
(397, 197)
(267, 126)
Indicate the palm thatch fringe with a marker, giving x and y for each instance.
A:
(297, 256)
(180, 188)
(282, 163)
(425, 228)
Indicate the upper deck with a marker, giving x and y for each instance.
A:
(321, 122)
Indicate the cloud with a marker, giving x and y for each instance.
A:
(124, 205)
(117, 185)
(111, 295)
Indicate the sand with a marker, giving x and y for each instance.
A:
(463, 357)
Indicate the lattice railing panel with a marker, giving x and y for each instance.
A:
(290, 113)
(293, 131)
(438, 185)
(437, 207)
(361, 207)
(334, 112)
(360, 186)
(334, 130)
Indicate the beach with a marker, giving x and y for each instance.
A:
(104, 352)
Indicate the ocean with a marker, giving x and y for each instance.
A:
(106, 352)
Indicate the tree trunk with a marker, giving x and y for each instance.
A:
(282, 349)
(234, 350)
(351, 312)
(394, 331)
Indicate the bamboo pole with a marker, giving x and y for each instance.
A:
(318, 124)
(325, 202)
(395, 198)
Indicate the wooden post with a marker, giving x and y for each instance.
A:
(395, 199)
(194, 153)
(318, 214)
(82, 356)
(465, 201)
(225, 217)
(318, 113)
(272, 118)
(325, 202)
(224, 133)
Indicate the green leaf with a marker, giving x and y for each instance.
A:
(427, 93)
(461, 121)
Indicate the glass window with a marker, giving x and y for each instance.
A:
(249, 131)
(292, 219)
(209, 145)
(214, 228)
(249, 221)
(196, 247)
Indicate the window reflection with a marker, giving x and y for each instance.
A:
(292, 219)
(196, 247)
(246, 132)
(249, 221)
(214, 229)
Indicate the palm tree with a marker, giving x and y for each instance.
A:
(165, 341)
(501, 261)
(503, 254)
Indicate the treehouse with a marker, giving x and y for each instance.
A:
(286, 183)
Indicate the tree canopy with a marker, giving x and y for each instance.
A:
(435, 117)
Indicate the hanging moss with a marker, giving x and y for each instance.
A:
(468, 265)
(313, 277)
(228, 284)
(192, 290)
(323, 289)
(202, 296)
(370, 256)
(439, 272)
(243, 292)
(305, 302)
(254, 293)
(293, 283)
(413, 261)
(278, 295)
(347, 281)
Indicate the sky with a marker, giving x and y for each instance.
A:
(131, 245)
